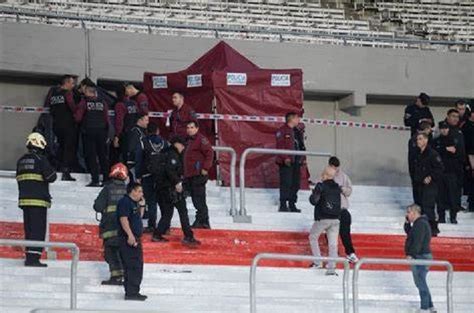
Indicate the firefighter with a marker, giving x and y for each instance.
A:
(198, 160)
(34, 174)
(288, 137)
(60, 101)
(106, 205)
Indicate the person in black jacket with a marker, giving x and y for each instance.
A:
(468, 132)
(417, 246)
(167, 168)
(34, 174)
(326, 198)
(446, 147)
(424, 127)
(135, 147)
(417, 113)
(426, 177)
(106, 205)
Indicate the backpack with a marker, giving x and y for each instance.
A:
(329, 204)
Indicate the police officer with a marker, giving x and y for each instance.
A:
(289, 138)
(468, 132)
(92, 115)
(135, 146)
(424, 127)
(464, 111)
(34, 174)
(198, 160)
(106, 205)
(130, 211)
(180, 116)
(418, 112)
(446, 148)
(167, 168)
(427, 175)
(60, 101)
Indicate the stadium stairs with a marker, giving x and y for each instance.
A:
(180, 279)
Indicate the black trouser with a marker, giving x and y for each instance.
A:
(289, 182)
(169, 200)
(132, 260)
(112, 257)
(345, 231)
(95, 145)
(34, 223)
(197, 188)
(427, 195)
(67, 139)
(149, 192)
(448, 191)
(458, 189)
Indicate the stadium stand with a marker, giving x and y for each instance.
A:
(426, 26)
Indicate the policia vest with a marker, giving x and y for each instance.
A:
(106, 204)
(34, 174)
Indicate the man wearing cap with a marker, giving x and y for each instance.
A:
(181, 116)
(418, 112)
(447, 194)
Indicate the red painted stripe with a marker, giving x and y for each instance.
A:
(237, 247)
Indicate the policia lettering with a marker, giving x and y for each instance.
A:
(33, 175)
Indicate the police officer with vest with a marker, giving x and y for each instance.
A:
(60, 101)
(167, 168)
(288, 137)
(34, 174)
(92, 115)
(427, 176)
(106, 205)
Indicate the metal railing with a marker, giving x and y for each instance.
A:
(242, 217)
(295, 257)
(358, 265)
(65, 245)
(233, 163)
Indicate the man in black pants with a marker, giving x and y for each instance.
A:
(34, 174)
(427, 175)
(413, 149)
(92, 114)
(60, 101)
(130, 211)
(167, 168)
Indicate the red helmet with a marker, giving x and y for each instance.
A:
(119, 171)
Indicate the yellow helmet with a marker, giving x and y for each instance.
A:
(36, 140)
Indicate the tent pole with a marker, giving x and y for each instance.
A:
(216, 138)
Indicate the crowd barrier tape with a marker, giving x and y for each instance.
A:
(238, 118)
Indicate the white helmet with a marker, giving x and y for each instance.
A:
(36, 140)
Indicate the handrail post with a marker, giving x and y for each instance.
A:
(295, 257)
(233, 162)
(243, 217)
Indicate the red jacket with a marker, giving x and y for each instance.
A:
(198, 155)
(285, 139)
(142, 102)
(127, 111)
(179, 120)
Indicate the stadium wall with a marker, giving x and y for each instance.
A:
(372, 156)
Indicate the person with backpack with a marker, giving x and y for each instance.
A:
(106, 205)
(326, 198)
(153, 144)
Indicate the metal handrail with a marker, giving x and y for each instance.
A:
(65, 245)
(296, 257)
(243, 217)
(233, 162)
(355, 279)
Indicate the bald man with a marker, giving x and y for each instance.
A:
(326, 198)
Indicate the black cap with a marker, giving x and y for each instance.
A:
(443, 125)
(177, 139)
(424, 98)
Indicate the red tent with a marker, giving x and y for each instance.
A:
(224, 81)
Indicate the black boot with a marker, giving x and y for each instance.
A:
(283, 207)
(93, 184)
(34, 263)
(293, 208)
(113, 281)
(67, 176)
(158, 238)
(200, 225)
(137, 297)
(190, 242)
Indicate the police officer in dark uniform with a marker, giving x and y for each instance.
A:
(446, 148)
(106, 205)
(34, 174)
(92, 115)
(135, 146)
(288, 137)
(167, 168)
(427, 175)
(417, 113)
(468, 132)
(60, 101)
(424, 127)
(198, 160)
(130, 211)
